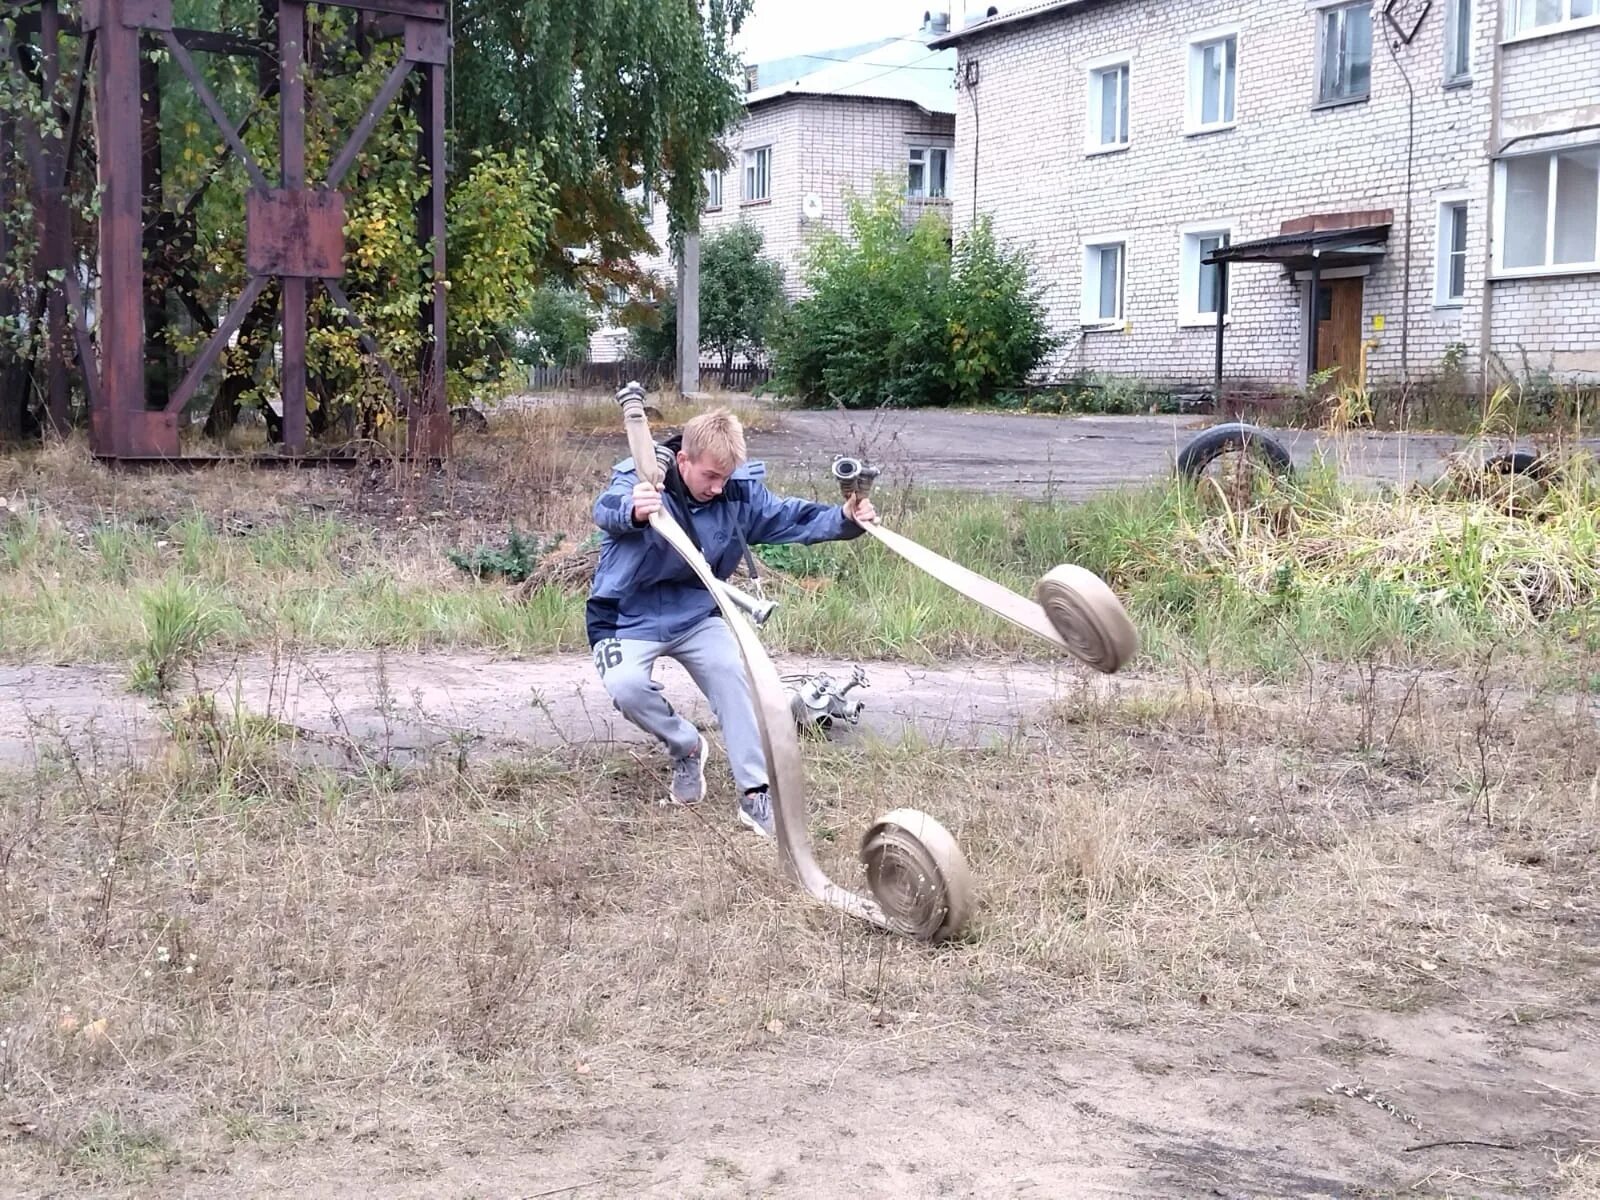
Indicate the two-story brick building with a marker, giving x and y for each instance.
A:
(885, 108)
(1423, 177)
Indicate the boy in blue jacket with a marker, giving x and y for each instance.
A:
(646, 602)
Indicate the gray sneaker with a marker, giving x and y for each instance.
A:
(755, 811)
(689, 776)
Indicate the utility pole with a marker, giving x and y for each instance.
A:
(689, 315)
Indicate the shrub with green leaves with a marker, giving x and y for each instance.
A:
(741, 299)
(516, 560)
(555, 330)
(892, 316)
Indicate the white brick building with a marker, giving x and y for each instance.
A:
(1127, 140)
(806, 144)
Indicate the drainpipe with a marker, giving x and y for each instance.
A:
(1485, 317)
(972, 93)
(1411, 143)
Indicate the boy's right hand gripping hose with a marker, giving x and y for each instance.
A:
(915, 869)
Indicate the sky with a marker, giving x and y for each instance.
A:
(778, 28)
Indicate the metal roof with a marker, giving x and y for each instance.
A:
(1365, 240)
(903, 68)
(1001, 20)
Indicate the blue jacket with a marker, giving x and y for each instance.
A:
(644, 590)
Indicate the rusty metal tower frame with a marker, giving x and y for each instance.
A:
(294, 224)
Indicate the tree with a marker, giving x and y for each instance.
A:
(741, 301)
(655, 338)
(892, 316)
(555, 330)
(616, 95)
(871, 329)
(741, 293)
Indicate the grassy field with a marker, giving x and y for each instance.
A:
(1352, 788)
(149, 572)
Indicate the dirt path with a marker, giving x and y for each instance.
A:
(414, 704)
(1238, 1107)
(418, 705)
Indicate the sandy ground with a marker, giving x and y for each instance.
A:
(1330, 1105)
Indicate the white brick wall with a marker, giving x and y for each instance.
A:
(1022, 130)
(827, 145)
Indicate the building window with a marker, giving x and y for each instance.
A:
(758, 174)
(1458, 41)
(1528, 16)
(1213, 71)
(1104, 277)
(1451, 276)
(1346, 72)
(1201, 282)
(713, 190)
(1108, 106)
(616, 295)
(1550, 212)
(928, 172)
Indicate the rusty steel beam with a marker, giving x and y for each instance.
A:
(217, 343)
(122, 425)
(292, 105)
(56, 246)
(385, 97)
(157, 346)
(428, 427)
(207, 41)
(88, 360)
(204, 186)
(116, 424)
(347, 312)
(427, 10)
(218, 116)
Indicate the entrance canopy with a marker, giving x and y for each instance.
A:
(1326, 248)
(1323, 242)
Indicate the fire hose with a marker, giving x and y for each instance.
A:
(919, 880)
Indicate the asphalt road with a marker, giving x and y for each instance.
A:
(1070, 457)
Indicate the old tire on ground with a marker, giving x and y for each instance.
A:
(1221, 439)
(918, 875)
(1520, 462)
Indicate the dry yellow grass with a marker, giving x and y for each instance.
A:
(230, 945)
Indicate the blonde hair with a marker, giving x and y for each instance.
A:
(716, 435)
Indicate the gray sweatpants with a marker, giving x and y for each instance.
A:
(711, 656)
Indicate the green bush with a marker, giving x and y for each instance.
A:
(741, 296)
(892, 316)
(555, 330)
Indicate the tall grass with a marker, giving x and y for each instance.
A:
(1311, 570)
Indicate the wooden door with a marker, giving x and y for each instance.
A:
(1339, 328)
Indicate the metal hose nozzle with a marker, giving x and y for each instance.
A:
(757, 609)
(855, 477)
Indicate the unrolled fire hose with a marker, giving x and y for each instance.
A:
(1075, 609)
(919, 880)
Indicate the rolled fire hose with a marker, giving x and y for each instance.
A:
(1075, 609)
(918, 877)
